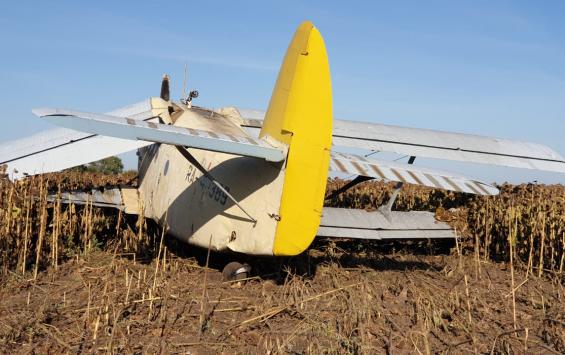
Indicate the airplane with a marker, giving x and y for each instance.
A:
(254, 182)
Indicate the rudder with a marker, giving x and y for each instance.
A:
(300, 115)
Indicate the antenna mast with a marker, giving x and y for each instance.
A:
(187, 99)
(184, 81)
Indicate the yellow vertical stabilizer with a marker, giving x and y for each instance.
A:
(300, 115)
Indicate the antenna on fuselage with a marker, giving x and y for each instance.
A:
(184, 81)
(187, 99)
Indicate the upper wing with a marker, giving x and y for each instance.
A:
(123, 127)
(436, 144)
(444, 145)
(387, 170)
(62, 148)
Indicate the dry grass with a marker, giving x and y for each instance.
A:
(108, 284)
(35, 233)
(392, 303)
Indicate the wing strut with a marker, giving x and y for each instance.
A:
(205, 172)
(388, 206)
(358, 179)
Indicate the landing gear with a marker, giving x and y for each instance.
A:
(235, 271)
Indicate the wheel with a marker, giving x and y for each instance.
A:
(235, 271)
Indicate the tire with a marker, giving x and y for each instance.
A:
(235, 271)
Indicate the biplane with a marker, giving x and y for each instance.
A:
(254, 182)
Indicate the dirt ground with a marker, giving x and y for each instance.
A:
(336, 298)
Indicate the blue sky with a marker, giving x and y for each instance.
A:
(483, 67)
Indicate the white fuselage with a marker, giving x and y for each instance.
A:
(177, 195)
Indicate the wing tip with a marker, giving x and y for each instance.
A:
(43, 111)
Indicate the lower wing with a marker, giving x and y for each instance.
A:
(381, 225)
(125, 198)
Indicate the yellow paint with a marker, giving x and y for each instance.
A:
(300, 115)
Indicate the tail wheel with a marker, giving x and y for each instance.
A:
(235, 271)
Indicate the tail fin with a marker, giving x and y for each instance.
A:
(300, 115)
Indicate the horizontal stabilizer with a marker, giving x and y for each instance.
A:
(379, 225)
(411, 174)
(427, 143)
(122, 198)
(126, 128)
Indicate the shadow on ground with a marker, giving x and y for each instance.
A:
(355, 254)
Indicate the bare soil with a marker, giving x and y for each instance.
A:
(341, 297)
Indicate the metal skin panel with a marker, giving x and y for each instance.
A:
(120, 127)
(387, 170)
(360, 224)
(300, 115)
(62, 148)
(435, 144)
(176, 194)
